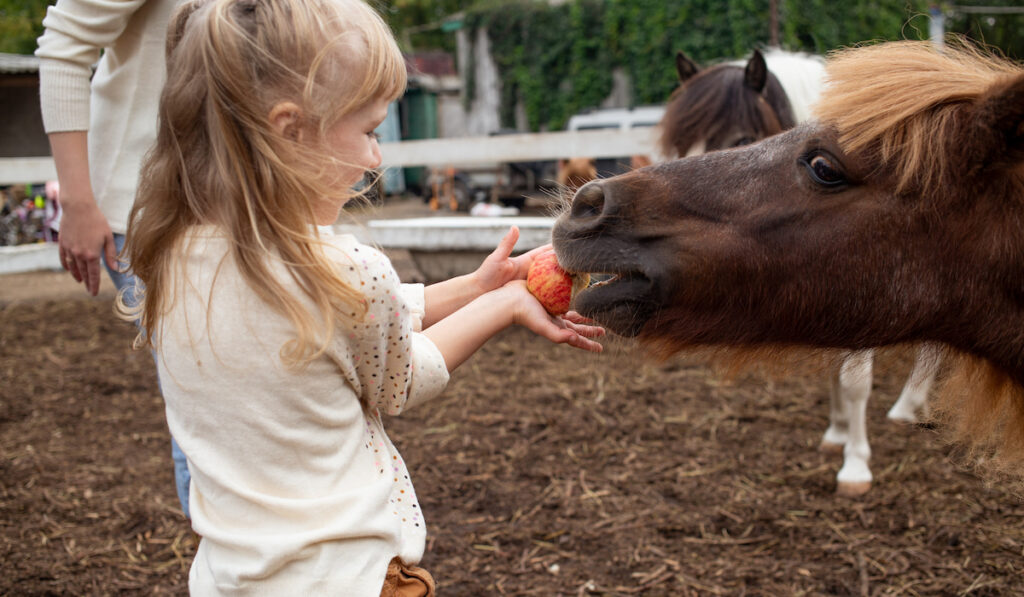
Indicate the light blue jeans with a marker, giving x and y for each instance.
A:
(181, 475)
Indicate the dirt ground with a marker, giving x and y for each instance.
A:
(541, 471)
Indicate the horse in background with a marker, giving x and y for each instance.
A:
(894, 217)
(738, 103)
(573, 173)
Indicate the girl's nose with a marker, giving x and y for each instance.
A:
(377, 159)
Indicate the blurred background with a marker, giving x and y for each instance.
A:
(490, 68)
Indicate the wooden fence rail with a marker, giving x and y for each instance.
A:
(457, 151)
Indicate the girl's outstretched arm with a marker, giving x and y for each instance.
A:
(464, 331)
(499, 268)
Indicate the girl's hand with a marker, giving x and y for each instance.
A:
(500, 268)
(458, 335)
(572, 328)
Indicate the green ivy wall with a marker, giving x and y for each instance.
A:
(558, 60)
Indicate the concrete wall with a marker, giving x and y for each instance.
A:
(482, 118)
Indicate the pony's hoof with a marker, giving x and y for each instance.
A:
(830, 448)
(852, 489)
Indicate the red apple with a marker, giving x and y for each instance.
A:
(553, 286)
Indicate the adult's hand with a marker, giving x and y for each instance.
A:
(84, 238)
(85, 235)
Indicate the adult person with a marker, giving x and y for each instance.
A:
(100, 125)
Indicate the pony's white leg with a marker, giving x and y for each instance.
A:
(854, 477)
(914, 397)
(838, 431)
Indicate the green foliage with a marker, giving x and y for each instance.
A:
(822, 25)
(417, 23)
(1003, 31)
(558, 59)
(21, 23)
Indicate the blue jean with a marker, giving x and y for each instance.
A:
(182, 477)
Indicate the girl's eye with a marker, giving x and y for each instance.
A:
(824, 170)
(373, 135)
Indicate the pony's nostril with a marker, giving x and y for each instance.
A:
(589, 201)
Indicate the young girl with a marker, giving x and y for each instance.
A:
(280, 344)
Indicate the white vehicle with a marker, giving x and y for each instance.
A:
(622, 118)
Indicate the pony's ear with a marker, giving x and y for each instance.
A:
(685, 67)
(1000, 113)
(755, 75)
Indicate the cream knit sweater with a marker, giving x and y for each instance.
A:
(119, 108)
(296, 489)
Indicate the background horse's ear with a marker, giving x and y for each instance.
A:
(685, 67)
(1000, 113)
(755, 75)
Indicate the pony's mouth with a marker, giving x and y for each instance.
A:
(621, 302)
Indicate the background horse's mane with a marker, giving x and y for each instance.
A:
(801, 76)
(900, 104)
(713, 102)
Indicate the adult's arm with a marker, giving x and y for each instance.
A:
(75, 33)
(85, 235)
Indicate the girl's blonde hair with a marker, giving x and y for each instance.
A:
(218, 159)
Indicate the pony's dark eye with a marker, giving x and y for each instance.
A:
(824, 170)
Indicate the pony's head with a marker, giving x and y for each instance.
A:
(723, 106)
(895, 217)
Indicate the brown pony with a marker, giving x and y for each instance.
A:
(895, 217)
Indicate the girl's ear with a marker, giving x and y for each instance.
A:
(286, 119)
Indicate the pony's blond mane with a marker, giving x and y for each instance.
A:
(981, 411)
(898, 103)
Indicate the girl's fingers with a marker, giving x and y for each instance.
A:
(508, 242)
(523, 261)
(575, 317)
(587, 331)
(533, 253)
(580, 342)
(575, 335)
